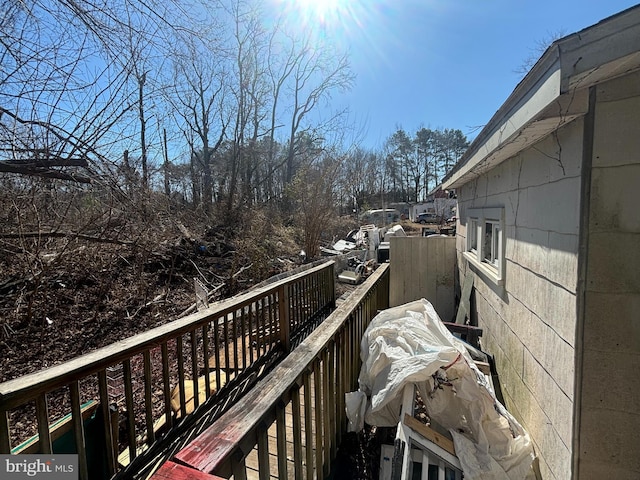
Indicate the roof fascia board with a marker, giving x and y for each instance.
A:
(570, 65)
(526, 104)
(584, 54)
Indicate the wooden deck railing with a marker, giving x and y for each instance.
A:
(292, 421)
(134, 379)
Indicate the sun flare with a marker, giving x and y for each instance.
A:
(321, 9)
(325, 13)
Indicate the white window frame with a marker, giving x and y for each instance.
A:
(487, 259)
(472, 234)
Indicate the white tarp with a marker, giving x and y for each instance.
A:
(409, 344)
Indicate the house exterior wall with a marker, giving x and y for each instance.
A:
(529, 322)
(609, 433)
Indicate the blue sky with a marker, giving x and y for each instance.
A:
(442, 63)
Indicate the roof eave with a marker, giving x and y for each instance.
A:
(553, 93)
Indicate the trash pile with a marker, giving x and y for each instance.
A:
(365, 248)
(409, 345)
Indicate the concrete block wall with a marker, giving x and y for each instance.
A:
(609, 433)
(529, 322)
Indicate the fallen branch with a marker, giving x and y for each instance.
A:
(156, 299)
(247, 267)
(81, 236)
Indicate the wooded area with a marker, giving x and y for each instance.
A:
(143, 144)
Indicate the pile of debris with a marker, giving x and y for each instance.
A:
(364, 249)
(407, 349)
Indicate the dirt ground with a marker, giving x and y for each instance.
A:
(97, 293)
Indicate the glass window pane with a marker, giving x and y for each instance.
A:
(488, 251)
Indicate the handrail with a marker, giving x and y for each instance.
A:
(317, 373)
(223, 342)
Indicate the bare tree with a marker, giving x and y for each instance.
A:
(199, 100)
(316, 74)
(314, 188)
(537, 50)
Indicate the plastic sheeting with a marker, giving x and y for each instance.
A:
(409, 344)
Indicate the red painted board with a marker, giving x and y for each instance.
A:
(175, 471)
(207, 451)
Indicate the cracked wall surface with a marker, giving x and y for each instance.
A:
(529, 322)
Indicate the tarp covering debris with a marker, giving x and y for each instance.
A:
(409, 344)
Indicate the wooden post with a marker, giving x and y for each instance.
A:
(283, 317)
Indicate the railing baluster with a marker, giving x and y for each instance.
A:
(300, 317)
(339, 376)
(42, 416)
(281, 440)
(205, 350)
(308, 423)
(253, 313)
(131, 417)
(261, 330)
(244, 314)
(272, 321)
(236, 364)
(194, 368)
(78, 430)
(148, 398)
(226, 346)
(331, 378)
(216, 353)
(317, 393)
(181, 382)
(326, 414)
(263, 453)
(297, 432)
(284, 317)
(5, 433)
(239, 469)
(107, 422)
(166, 384)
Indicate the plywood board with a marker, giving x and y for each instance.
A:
(423, 267)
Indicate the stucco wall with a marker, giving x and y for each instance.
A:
(529, 322)
(610, 414)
